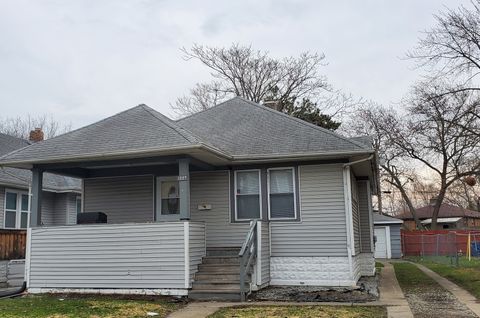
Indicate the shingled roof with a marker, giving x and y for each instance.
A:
(446, 211)
(9, 143)
(235, 129)
(22, 178)
(243, 128)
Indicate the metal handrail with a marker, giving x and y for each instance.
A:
(247, 253)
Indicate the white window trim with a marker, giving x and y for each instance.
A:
(259, 192)
(294, 193)
(158, 197)
(18, 211)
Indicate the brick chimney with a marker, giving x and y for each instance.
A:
(273, 104)
(36, 135)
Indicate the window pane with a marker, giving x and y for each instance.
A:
(24, 220)
(171, 206)
(24, 202)
(282, 206)
(11, 203)
(281, 181)
(10, 219)
(248, 182)
(248, 206)
(169, 189)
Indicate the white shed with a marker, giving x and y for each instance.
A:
(387, 234)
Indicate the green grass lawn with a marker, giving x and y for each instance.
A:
(410, 276)
(378, 267)
(56, 306)
(466, 275)
(301, 311)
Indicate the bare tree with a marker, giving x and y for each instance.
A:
(255, 75)
(452, 47)
(375, 120)
(21, 126)
(433, 133)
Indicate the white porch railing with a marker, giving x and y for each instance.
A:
(158, 258)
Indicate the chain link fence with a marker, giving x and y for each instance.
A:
(456, 248)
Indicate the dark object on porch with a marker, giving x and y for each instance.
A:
(91, 218)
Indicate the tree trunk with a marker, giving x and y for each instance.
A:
(436, 207)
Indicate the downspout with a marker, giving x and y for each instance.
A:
(347, 190)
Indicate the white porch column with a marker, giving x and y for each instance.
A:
(36, 200)
(184, 187)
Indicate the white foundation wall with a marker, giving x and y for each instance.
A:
(363, 265)
(311, 271)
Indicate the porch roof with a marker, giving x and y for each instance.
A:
(234, 131)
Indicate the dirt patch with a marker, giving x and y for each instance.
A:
(367, 290)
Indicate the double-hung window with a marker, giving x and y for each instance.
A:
(16, 209)
(281, 193)
(247, 195)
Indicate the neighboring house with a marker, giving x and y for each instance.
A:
(60, 194)
(388, 241)
(236, 193)
(449, 217)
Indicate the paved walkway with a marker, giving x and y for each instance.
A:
(391, 294)
(461, 294)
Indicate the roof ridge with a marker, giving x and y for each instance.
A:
(208, 109)
(303, 122)
(17, 138)
(190, 137)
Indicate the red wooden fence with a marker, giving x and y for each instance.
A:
(440, 242)
(12, 244)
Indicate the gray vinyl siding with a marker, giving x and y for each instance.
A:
(60, 209)
(213, 188)
(2, 206)
(149, 255)
(48, 208)
(395, 241)
(265, 255)
(72, 208)
(365, 215)
(322, 230)
(355, 216)
(123, 199)
(197, 247)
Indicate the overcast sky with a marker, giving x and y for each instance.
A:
(84, 60)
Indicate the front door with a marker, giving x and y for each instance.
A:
(167, 199)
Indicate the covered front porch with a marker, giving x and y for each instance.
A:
(164, 217)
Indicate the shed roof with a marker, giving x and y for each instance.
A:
(384, 219)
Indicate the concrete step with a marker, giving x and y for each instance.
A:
(221, 260)
(201, 276)
(223, 251)
(226, 286)
(219, 268)
(221, 295)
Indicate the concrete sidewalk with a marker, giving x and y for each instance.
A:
(391, 294)
(461, 294)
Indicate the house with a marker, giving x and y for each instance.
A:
(61, 195)
(217, 204)
(449, 217)
(388, 241)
